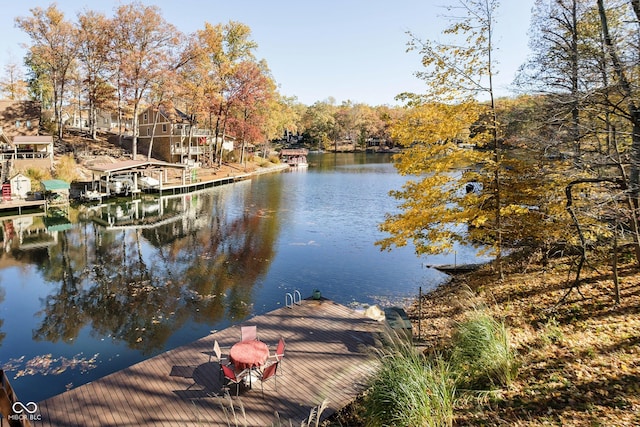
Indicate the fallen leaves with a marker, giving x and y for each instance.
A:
(580, 362)
(46, 364)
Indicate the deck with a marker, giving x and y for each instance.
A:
(19, 204)
(328, 356)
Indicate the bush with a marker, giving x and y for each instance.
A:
(410, 390)
(36, 175)
(66, 168)
(274, 159)
(481, 356)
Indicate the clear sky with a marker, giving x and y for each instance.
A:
(346, 49)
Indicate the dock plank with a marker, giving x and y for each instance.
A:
(328, 356)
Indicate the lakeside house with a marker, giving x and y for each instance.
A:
(176, 138)
(106, 121)
(18, 118)
(21, 146)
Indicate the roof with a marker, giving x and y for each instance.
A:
(170, 113)
(132, 164)
(294, 152)
(55, 184)
(31, 139)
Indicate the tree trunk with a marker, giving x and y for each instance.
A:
(633, 112)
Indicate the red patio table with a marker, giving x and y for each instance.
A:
(248, 354)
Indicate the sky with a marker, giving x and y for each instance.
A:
(348, 50)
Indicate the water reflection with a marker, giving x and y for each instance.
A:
(102, 287)
(204, 263)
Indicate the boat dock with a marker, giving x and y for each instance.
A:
(18, 205)
(328, 356)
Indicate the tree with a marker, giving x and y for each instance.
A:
(52, 52)
(434, 208)
(95, 36)
(254, 91)
(320, 124)
(13, 85)
(217, 51)
(145, 47)
(557, 66)
(455, 74)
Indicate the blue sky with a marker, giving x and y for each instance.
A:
(346, 49)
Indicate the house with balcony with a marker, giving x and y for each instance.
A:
(21, 146)
(176, 139)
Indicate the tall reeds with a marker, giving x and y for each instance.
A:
(481, 355)
(409, 389)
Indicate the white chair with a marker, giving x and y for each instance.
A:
(217, 352)
(248, 333)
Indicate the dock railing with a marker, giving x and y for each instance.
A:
(291, 299)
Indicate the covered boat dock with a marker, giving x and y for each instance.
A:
(126, 177)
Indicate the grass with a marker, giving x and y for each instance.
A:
(236, 416)
(410, 389)
(481, 355)
(413, 389)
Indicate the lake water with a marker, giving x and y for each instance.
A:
(94, 290)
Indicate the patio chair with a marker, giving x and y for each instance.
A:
(279, 354)
(248, 333)
(217, 352)
(231, 377)
(268, 373)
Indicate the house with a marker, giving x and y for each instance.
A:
(106, 121)
(19, 118)
(21, 146)
(175, 138)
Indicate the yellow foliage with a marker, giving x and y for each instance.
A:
(66, 168)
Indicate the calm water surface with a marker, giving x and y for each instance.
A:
(94, 290)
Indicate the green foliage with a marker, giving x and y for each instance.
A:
(482, 356)
(410, 390)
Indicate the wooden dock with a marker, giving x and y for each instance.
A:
(328, 356)
(20, 204)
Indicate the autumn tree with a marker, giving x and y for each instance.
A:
(52, 52)
(95, 43)
(13, 84)
(211, 76)
(320, 124)
(254, 91)
(456, 74)
(285, 119)
(145, 47)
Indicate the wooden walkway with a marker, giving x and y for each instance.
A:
(328, 356)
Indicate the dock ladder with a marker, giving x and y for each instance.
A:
(292, 298)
